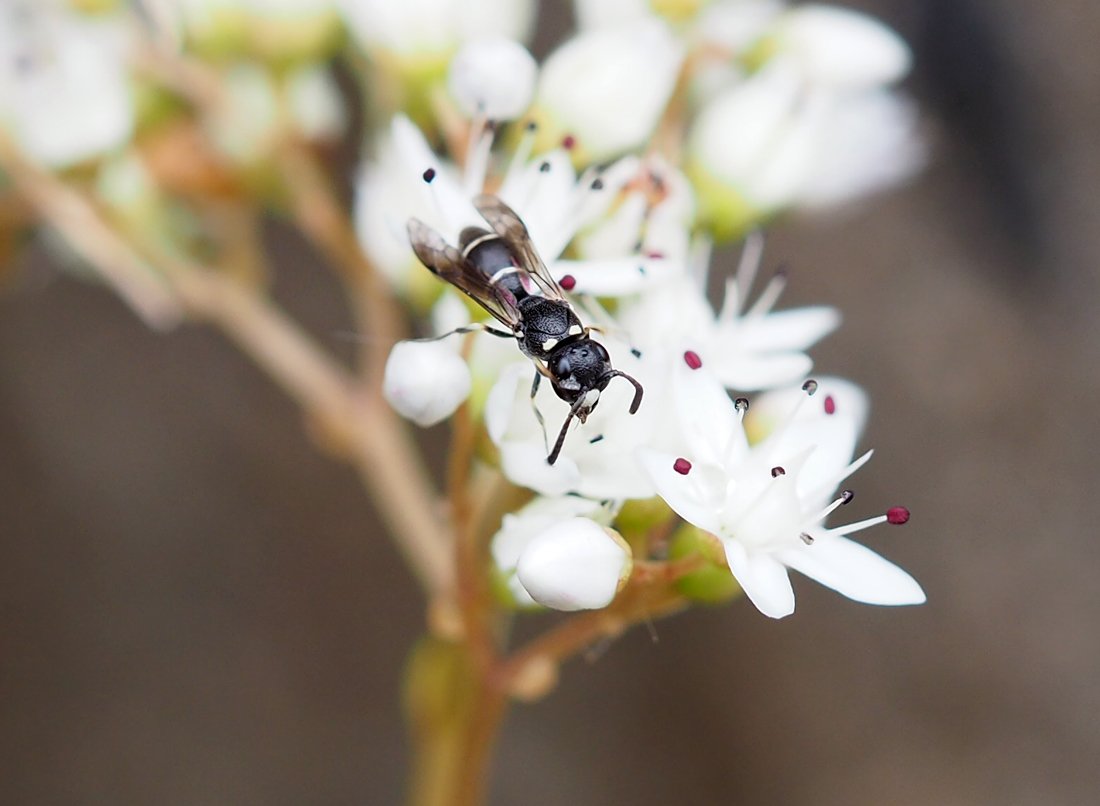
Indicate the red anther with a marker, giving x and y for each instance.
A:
(428, 175)
(568, 142)
(692, 359)
(897, 515)
(830, 404)
(682, 466)
(568, 282)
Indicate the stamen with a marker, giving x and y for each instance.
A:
(810, 387)
(858, 526)
(428, 175)
(597, 184)
(778, 471)
(634, 351)
(544, 167)
(769, 295)
(568, 282)
(846, 497)
(830, 404)
(741, 405)
(477, 156)
(897, 515)
(692, 359)
(682, 466)
(807, 538)
(595, 439)
(737, 290)
(568, 142)
(827, 511)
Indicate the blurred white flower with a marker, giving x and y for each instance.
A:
(425, 381)
(607, 88)
(493, 78)
(65, 95)
(776, 140)
(767, 503)
(575, 564)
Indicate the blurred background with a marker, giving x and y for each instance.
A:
(197, 607)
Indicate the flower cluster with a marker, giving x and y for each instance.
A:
(709, 122)
(655, 131)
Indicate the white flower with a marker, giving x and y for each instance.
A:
(746, 347)
(608, 88)
(598, 458)
(408, 180)
(314, 104)
(776, 140)
(425, 381)
(64, 91)
(494, 78)
(767, 503)
(575, 564)
(519, 529)
(434, 27)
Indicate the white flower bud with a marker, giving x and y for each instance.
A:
(425, 381)
(494, 78)
(420, 27)
(608, 88)
(574, 565)
(838, 47)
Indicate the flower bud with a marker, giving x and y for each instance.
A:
(425, 381)
(493, 78)
(607, 88)
(575, 565)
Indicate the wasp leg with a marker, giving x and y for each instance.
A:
(477, 327)
(535, 407)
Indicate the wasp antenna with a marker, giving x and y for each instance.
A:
(573, 411)
(637, 401)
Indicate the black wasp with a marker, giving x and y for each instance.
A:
(501, 271)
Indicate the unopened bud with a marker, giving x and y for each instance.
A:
(574, 565)
(425, 381)
(493, 78)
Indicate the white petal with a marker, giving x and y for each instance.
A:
(573, 565)
(494, 78)
(763, 579)
(747, 372)
(855, 571)
(707, 417)
(609, 87)
(425, 381)
(695, 497)
(796, 329)
(612, 277)
(872, 141)
(843, 48)
(502, 399)
(832, 436)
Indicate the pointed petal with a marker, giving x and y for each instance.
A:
(611, 277)
(855, 571)
(708, 419)
(795, 329)
(694, 497)
(748, 373)
(763, 579)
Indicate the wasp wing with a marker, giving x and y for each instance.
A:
(446, 261)
(511, 229)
